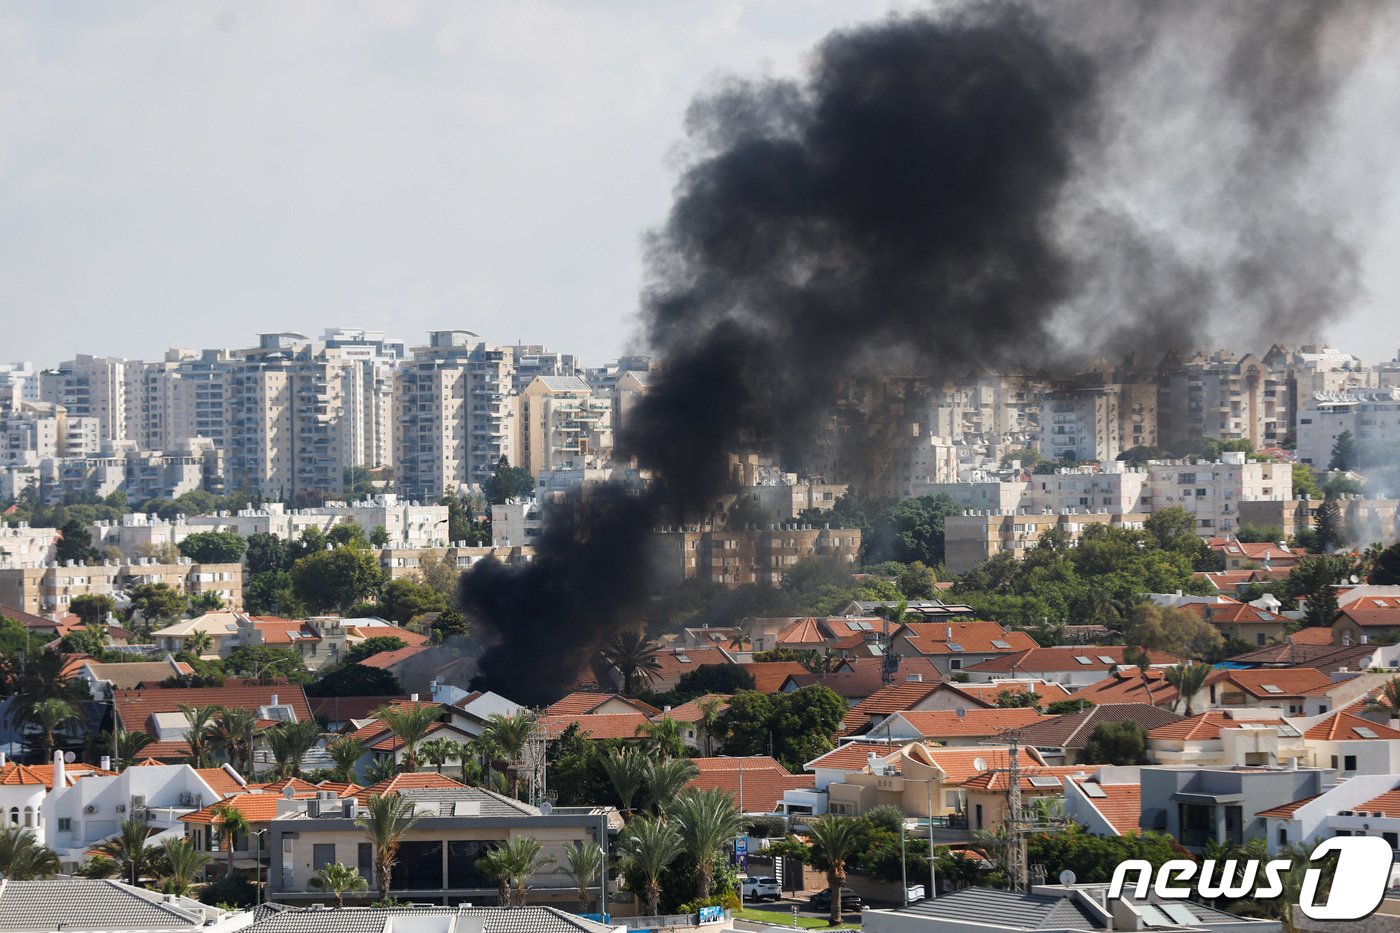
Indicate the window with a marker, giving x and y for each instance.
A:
(979, 816)
(1334, 762)
(322, 854)
(1259, 639)
(955, 664)
(65, 824)
(461, 863)
(419, 867)
(1282, 836)
(366, 859)
(1349, 763)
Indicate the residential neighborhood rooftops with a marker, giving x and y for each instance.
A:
(764, 780)
(77, 905)
(1065, 658)
(1344, 725)
(1286, 811)
(1119, 804)
(1072, 730)
(1204, 727)
(1130, 686)
(14, 774)
(598, 725)
(1277, 682)
(960, 637)
(943, 724)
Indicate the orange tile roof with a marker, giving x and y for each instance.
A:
(939, 724)
(387, 659)
(999, 781)
(768, 676)
(1387, 804)
(763, 787)
(599, 725)
(961, 764)
(1065, 658)
(930, 638)
(801, 632)
(219, 780)
(407, 636)
(988, 693)
(392, 743)
(1379, 611)
(409, 781)
(135, 707)
(1312, 635)
(1253, 550)
(1343, 725)
(1203, 727)
(582, 703)
(14, 774)
(849, 756)
(746, 762)
(690, 711)
(1129, 686)
(279, 631)
(1290, 681)
(1232, 611)
(295, 783)
(256, 806)
(894, 698)
(1121, 806)
(673, 662)
(1287, 810)
(1231, 580)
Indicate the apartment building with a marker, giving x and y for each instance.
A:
(564, 425)
(738, 558)
(979, 535)
(90, 387)
(1371, 416)
(52, 587)
(1212, 492)
(1223, 396)
(457, 414)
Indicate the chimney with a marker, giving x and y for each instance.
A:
(59, 777)
(2, 759)
(414, 698)
(273, 701)
(106, 762)
(948, 636)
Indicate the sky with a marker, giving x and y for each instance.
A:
(191, 174)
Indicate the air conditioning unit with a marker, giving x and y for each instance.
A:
(89, 809)
(138, 801)
(187, 800)
(147, 815)
(121, 808)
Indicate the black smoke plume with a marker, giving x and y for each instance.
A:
(944, 190)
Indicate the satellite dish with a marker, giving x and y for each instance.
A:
(1067, 878)
(1353, 578)
(962, 711)
(69, 757)
(979, 764)
(546, 808)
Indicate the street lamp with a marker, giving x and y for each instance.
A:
(257, 866)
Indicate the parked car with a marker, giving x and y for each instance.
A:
(761, 889)
(850, 900)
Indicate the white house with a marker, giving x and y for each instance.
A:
(23, 789)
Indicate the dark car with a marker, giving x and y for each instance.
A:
(850, 900)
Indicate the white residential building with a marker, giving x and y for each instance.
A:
(1212, 492)
(1372, 416)
(564, 425)
(516, 522)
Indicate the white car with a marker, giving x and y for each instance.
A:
(758, 889)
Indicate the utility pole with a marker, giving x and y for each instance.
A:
(1016, 853)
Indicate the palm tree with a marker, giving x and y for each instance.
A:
(231, 823)
(346, 753)
(386, 820)
(663, 736)
(380, 769)
(627, 770)
(289, 743)
(24, 858)
(129, 744)
(199, 643)
(410, 723)
(706, 819)
(234, 734)
(666, 778)
(583, 862)
(1188, 679)
(40, 677)
(509, 735)
(994, 844)
(181, 862)
(634, 658)
(1388, 700)
(496, 866)
(438, 752)
(128, 848)
(513, 863)
(649, 844)
(710, 710)
(338, 879)
(837, 839)
(49, 715)
(201, 719)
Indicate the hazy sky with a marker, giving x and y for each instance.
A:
(187, 174)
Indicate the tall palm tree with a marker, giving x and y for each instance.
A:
(346, 753)
(386, 820)
(1189, 680)
(129, 849)
(634, 657)
(666, 778)
(232, 823)
(438, 752)
(289, 743)
(199, 643)
(510, 735)
(711, 708)
(837, 839)
(583, 863)
(519, 858)
(649, 844)
(38, 677)
(410, 722)
(663, 736)
(180, 864)
(380, 769)
(49, 715)
(706, 820)
(1387, 700)
(233, 733)
(200, 734)
(496, 866)
(129, 745)
(627, 770)
(338, 879)
(23, 857)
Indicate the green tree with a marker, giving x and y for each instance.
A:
(267, 662)
(797, 726)
(338, 879)
(336, 580)
(714, 678)
(267, 552)
(289, 743)
(834, 841)
(214, 547)
(583, 863)
(438, 752)
(1174, 631)
(1385, 569)
(200, 735)
(129, 850)
(272, 593)
(158, 602)
(410, 723)
(648, 845)
(627, 770)
(1343, 452)
(379, 536)
(707, 819)
(385, 822)
(665, 779)
(92, 608)
(663, 737)
(1189, 680)
(348, 534)
(346, 753)
(51, 715)
(1116, 743)
(510, 734)
(747, 512)
(233, 735)
(1172, 526)
(129, 745)
(1327, 525)
(450, 624)
(180, 864)
(522, 857)
(508, 482)
(1305, 482)
(354, 680)
(404, 600)
(634, 657)
(231, 823)
(75, 543)
(23, 857)
(359, 483)
(1314, 579)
